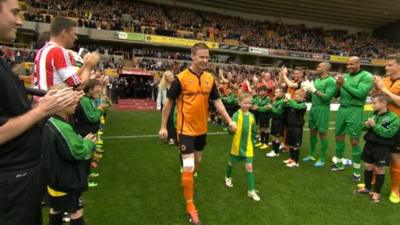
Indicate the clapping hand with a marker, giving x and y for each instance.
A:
(284, 71)
(57, 100)
(304, 85)
(339, 80)
(311, 87)
(91, 137)
(379, 84)
(287, 97)
(91, 60)
(370, 122)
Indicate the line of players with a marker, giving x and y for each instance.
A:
(285, 112)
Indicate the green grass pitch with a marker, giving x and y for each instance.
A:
(139, 184)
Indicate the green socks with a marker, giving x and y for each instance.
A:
(340, 146)
(229, 171)
(324, 148)
(250, 181)
(249, 175)
(313, 145)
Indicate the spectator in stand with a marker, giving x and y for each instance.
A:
(246, 85)
(165, 83)
(267, 81)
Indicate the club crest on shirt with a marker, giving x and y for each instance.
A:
(183, 148)
(385, 122)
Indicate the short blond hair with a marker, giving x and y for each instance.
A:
(395, 57)
(244, 95)
(198, 46)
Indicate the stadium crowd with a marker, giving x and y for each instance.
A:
(137, 52)
(151, 18)
(18, 55)
(154, 60)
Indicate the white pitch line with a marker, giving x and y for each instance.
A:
(155, 135)
(149, 136)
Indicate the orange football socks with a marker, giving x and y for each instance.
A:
(188, 186)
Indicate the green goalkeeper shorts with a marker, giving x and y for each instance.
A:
(349, 120)
(319, 118)
(235, 159)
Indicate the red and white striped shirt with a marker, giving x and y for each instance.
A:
(54, 65)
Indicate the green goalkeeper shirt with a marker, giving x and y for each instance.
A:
(356, 88)
(326, 86)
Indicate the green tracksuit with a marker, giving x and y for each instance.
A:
(87, 117)
(386, 126)
(230, 99)
(256, 99)
(65, 156)
(231, 103)
(262, 104)
(277, 108)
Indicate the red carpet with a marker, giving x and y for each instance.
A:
(135, 104)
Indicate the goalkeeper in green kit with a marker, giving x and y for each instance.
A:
(322, 91)
(352, 88)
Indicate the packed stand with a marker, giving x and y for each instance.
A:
(18, 55)
(151, 18)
